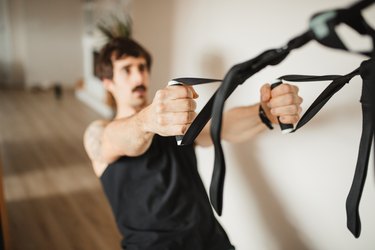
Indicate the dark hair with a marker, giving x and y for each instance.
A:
(119, 48)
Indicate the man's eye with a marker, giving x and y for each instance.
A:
(142, 68)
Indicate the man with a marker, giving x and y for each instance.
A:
(152, 184)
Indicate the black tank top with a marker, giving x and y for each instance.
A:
(159, 200)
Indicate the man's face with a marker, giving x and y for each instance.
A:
(131, 79)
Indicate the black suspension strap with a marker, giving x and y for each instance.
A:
(322, 30)
(236, 76)
(367, 72)
(239, 73)
(327, 22)
(323, 26)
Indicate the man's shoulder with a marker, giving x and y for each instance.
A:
(94, 130)
(96, 126)
(92, 141)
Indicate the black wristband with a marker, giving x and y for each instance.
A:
(263, 117)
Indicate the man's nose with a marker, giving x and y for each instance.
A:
(137, 76)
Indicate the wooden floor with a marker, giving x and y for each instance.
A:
(53, 199)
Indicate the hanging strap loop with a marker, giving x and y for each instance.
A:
(367, 72)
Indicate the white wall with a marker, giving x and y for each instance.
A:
(281, 191)
(46, 41)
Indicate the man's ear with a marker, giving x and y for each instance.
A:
(108, 84)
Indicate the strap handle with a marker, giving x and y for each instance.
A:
(285, 128)
(203, 117)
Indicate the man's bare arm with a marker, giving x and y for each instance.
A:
(242, 123)
(170, 113)
(239, 124)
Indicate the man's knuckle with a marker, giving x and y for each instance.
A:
(290, 99)
(186, 117)
(192, 105)
(160, 107)
(295, 109)
(185, 92)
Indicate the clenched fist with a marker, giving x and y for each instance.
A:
(282, 101)
(172, 110)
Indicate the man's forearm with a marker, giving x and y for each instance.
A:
(239, 124)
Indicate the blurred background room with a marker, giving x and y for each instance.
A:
(282, 192)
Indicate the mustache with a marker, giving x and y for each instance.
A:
(139, 88)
